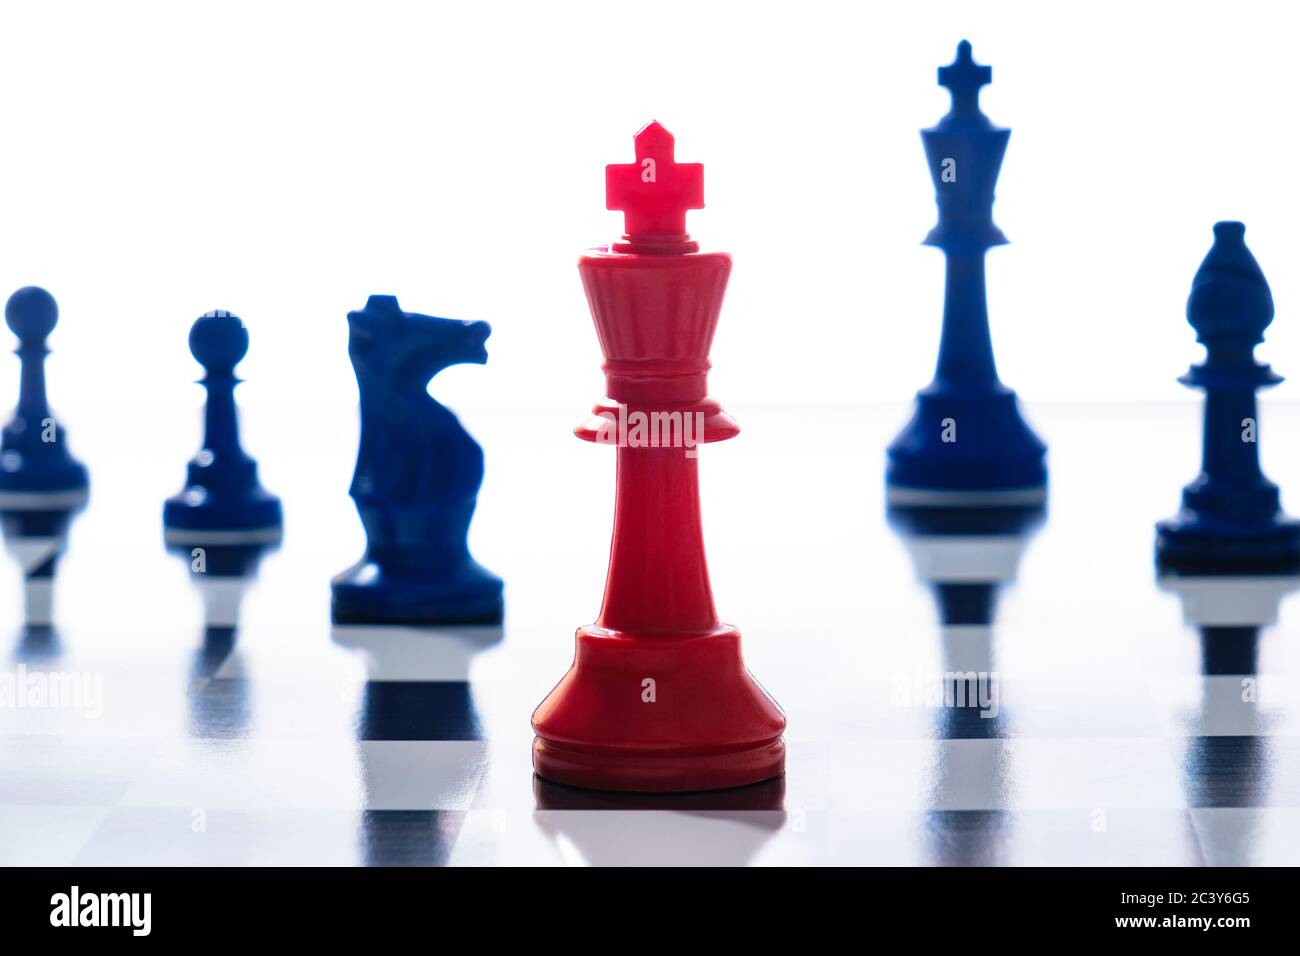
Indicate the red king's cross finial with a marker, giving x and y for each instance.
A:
(654, 192)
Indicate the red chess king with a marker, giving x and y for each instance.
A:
(658, 697)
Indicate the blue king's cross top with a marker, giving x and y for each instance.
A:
(963, 78)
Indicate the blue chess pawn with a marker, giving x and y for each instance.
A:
(1231, 518)
(222, 501)
(417, 476)
(36, 469)
(966, 444)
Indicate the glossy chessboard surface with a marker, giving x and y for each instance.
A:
(264, 736)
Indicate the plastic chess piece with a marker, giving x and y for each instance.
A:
(36, 469)
(417, 476)
(966, 444)
(222, 501)
(1231, 518)
(658, 697)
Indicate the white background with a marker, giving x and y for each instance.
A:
(285, 160)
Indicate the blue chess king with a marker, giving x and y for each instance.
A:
(1231, 520)
(417, 476)
(222, 501)
(966, 444)
(37, 471)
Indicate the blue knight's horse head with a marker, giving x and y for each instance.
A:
(401, 351)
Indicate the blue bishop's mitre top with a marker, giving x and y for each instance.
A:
(1230, 305)
(965, 153)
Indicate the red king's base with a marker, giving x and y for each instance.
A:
(658, 698)
(710, 726)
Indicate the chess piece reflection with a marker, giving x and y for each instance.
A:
(710, 828)
(417, 476)
(417, 688)
(1228, 762)
(222, 501)
(966, 443)
(223, 574)
(37, 538)
(967, 555)
(1231, 518)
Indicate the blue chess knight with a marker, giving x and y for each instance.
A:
(1231, 520)
(417, 476)
(966, 444)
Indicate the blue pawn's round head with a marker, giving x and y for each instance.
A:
(32, 314)
(1230, 305)
(219, 340)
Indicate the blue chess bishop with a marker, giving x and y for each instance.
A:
(37, 471)
(966, 444)
(1231, 520)
(222, 501)
(417, 476)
